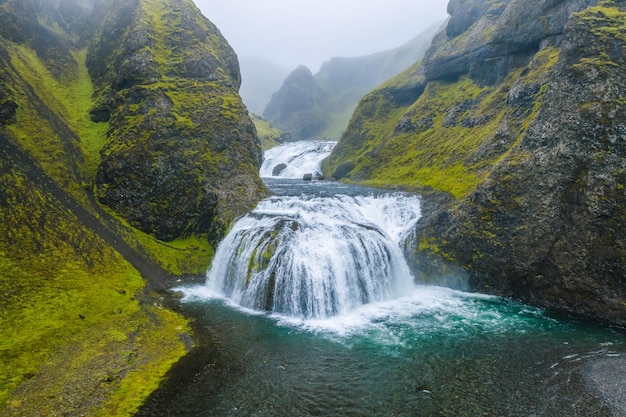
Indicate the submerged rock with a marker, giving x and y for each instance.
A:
(278, 169)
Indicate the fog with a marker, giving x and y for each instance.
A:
(309, 32)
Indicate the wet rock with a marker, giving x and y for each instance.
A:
(343, 170)
(278, 169)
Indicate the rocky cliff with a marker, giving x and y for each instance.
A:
(124, 149)
(513, 126)
(181, 155)
(312, 106)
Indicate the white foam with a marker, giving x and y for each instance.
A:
(300, 158)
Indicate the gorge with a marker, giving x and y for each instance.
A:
(129, 167)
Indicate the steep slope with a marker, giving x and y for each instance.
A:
(296, 108)
(516, 115)
(83, 332)
(319, 106)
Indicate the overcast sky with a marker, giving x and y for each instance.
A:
(309, 32)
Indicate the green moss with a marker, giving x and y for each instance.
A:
(449, 139)
(434, 246)
(166, 24)
(188, 256)
(80, 334)
(606, 20)
(183, 256)
(268, 134)
(70, 99)
(73, 329)
(262, 254)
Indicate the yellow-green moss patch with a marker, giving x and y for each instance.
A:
(268, 134)
(74, 334)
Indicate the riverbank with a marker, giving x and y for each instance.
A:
(96, 359)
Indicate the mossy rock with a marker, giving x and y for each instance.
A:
(78, 310)
(182, 154)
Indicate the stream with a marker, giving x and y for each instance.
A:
(309, 309)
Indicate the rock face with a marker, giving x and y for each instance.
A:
(317, 106)
(182, 153)
(295, 107)
(516, 114)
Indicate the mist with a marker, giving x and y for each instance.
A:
(309, 32)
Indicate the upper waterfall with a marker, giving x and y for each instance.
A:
(295, 159)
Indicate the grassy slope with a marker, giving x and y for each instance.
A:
(268, 134)
(446, 153)
(74, 335)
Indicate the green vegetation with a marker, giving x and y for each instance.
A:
(180, 139)
(70, 99)
(74, 319)
(607, 20)
(268, 134)
(449, 139)
(81, 334)
(183, 256)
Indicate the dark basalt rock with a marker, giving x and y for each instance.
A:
(548, 226)
(278, 169)
(343, 170)
(292, 107)
(8, 107)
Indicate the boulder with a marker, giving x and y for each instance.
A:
(278, 169)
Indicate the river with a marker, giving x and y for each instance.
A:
(309, 309)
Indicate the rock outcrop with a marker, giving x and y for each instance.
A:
(182, 154)
(516, 114)
(296, 107)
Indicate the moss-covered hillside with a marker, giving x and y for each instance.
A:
(516, 113)
(124, 148)
(269, 135)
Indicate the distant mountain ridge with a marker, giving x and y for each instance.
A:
(310, 106)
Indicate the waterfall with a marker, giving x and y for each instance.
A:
(315, 257)
(293, 160)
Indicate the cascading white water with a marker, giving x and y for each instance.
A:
(315, 257)
(298, 158)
